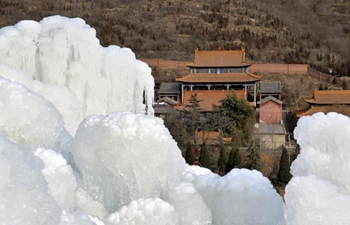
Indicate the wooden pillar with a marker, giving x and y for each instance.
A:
(182, 93)
(254, 94)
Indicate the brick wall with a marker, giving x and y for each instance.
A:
(165, 63)
(270, 112)
(279, 68)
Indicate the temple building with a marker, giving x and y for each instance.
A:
(214, 74)
(327, 101)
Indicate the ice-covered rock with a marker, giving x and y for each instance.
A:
(144, 211)
(313, 201)
(125, 156)
(77, 218)
(24, 197)
(319, 191)
(29, 119)
(189, 205)
(83, 201)
(65, 52)
(59, 175)
(64, 100)
(240, 197)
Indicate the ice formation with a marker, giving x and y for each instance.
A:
(125, 156)
(65, 52)
(240, 197)
(29, 119)
(144, 211)
(59, 176)
(60, 96)
(24, 192)
(319, 192)
(189, 204)
(123, 167)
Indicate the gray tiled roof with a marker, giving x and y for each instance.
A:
(167, 88)
(169, 100)
(269, 98)
(267, 87)
(265, 128)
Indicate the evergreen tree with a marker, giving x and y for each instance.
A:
(234, 160)
(240, 118)
(320, 87)
(177, 128)
(222, 159)
(344, 85)
(284, 174)
(192, 113)
(253, 157)
(204, 158)
(334, 81)
(189, 157)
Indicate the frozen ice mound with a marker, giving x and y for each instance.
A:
(24, 197)
(324, 141)
(189, 205)
(313, 201)
(319, 191)
(125, 156)
(153, 211)
(29, 119)
(64, 100)
(63, 51)
(59, 176)
(240, 197)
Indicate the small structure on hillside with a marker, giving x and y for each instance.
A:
(164, 106)
(270, 136)
(170, 90)
(270, 133)
(270, 88)
(270, 110)
(327, 101)
(214, 74)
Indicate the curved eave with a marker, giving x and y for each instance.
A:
(314, 102)
(219, 78)
(323, 109)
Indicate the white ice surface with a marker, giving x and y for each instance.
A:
(60, 96)
(153, 211)
(65, 52)
(24, 197)
(319, 192)
(240, 197)
(189, 204)
(125, 156)
(59, 176)
(29, 119)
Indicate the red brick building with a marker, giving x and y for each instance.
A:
(270, 110)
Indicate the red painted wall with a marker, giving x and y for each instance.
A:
(270, 112)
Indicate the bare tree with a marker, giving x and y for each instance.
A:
(296, 88)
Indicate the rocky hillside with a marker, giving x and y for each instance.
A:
(290, 31)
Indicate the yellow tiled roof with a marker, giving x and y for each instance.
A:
(325, 110)
(219, 58)
(210, 137)
(328, 97)
(218, 78)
